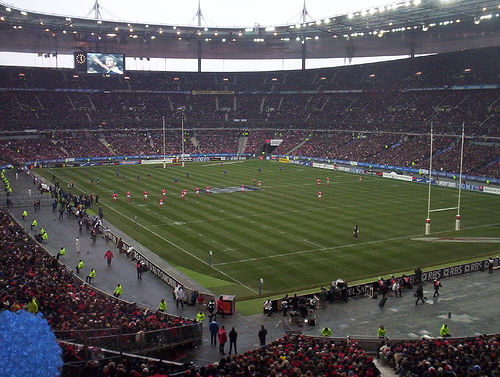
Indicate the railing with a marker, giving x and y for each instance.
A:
(105, 355)
(137, 342)
(147, 263)
(113, 338)
(26, 201)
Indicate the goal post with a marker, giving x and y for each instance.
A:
(429, 210)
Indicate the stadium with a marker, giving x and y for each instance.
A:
(321, 194)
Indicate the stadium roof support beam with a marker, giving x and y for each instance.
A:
(303, 54)
(198, 55)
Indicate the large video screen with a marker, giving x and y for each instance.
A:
(113, 64)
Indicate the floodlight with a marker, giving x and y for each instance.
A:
(270, 28)
(318, 22)
(350, 15)
(326, 21)
(24, 13)
(316, 37)
(297, 39)
(206, 29)
(417, 2)
(8, 9)
(363, 12)
(297, 26)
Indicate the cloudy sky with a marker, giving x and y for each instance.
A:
(215, 12)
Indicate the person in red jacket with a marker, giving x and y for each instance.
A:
(222, 336)
(108, 255)
(220, 306)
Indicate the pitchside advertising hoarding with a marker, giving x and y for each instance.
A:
(399, 177)
(490, 190)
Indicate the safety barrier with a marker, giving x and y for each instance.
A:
(134, 342)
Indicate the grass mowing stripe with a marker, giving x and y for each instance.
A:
(176, 246)
(277, 220)
(341, 246)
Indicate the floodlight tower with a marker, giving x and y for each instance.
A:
(199, 16)
(96, 10)
(304, 15)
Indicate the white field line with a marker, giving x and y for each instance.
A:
(173, 244)
(339, 247)
(224, 163)
(312, 243)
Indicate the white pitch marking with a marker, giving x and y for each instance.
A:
(173, 244)
(312, 243)
(340, 247)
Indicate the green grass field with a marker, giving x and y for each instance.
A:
(282, 233)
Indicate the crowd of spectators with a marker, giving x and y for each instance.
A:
(372, 94)
(291, 355)
(390, 148)
(376, 98)
(94, 110)
(27, 272)
(295, 356)
(479, 66)
(472, 357)
(216, 141)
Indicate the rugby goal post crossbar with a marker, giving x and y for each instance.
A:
(443, 209)
(429, 210)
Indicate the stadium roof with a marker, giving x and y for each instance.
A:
(406, 27)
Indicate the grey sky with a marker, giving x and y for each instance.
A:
(216, 12)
